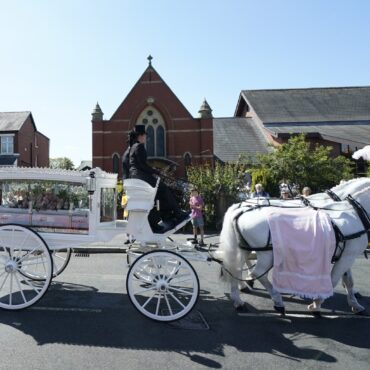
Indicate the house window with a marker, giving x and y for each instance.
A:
(115, 163)
(7, 144)
(155, 131)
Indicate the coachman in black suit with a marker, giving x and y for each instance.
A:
(139, 169)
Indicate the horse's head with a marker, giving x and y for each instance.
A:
(351, 187)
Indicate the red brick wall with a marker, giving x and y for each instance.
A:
(42, 150)
(183, 132)
(25, 145)
(336, 151)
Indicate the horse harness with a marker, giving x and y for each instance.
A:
(339, 237)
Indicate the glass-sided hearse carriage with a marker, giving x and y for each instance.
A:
(46, 212)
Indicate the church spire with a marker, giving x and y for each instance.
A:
(97, 113)
(150, 60)
(205, 110)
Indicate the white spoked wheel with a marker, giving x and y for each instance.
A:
(61, 258)
(23, 255)
(162, 285)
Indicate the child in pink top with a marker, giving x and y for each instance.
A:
(196, 206)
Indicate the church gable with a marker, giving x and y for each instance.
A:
(151, 90)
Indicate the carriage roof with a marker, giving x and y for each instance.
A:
(51, 174)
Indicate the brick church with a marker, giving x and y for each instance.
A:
(336, 117)
(174, 136)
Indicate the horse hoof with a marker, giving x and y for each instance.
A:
(358, 295)
(241, 309)
(316, 314)
(280, 310)
(362, 313)
(245, 290)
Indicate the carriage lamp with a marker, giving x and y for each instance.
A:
(91, 183)
(91, 187)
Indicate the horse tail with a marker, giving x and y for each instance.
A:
(232, 255)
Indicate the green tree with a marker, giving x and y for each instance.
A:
(219, 186)
(299, 162)
(61, 163)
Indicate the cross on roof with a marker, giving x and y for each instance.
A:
(150, 59)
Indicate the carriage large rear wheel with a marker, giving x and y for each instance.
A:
(162, 285)
(24, 257)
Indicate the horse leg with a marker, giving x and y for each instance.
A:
(274, 294)
(246, 286)
(315, 307)
(342, 267)
(238, 303)
(347, 280)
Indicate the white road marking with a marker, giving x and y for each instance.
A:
(67, 309)
(303, 315)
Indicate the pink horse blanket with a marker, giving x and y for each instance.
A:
(303, 244)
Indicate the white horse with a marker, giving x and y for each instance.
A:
(253, 227)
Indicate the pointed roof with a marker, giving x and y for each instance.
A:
(205, 110)
(13, 121)
(97, 109)
(309, 105)
(150, 77)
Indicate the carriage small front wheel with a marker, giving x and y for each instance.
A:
(24, 257)
(162, 285)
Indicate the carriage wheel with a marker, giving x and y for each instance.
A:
(162, 285)
(60, 258)
(23, 254)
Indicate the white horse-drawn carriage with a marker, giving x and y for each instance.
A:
(44, 213)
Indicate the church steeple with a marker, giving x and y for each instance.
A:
(97, 113)
(205, 110)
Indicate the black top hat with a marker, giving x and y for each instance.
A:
(140, 129)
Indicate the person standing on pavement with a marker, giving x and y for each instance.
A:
(196, 205)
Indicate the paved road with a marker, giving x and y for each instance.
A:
(86, 321)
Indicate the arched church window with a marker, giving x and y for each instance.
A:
(187, 159)
(115, 160)
(156, 131)
(150, 141)
(160, 141)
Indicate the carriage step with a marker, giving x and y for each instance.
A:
(82, 254)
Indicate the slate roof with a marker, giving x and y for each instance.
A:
(235, 136)
(310, 105)
(12, 121)
(350, 132)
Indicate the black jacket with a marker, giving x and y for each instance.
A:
(139, 169)
(126, 164)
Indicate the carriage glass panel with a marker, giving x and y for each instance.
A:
(108, 204)
(55, 206)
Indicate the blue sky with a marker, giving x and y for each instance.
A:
(57, 58)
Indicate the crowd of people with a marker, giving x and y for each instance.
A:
(285, 192)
